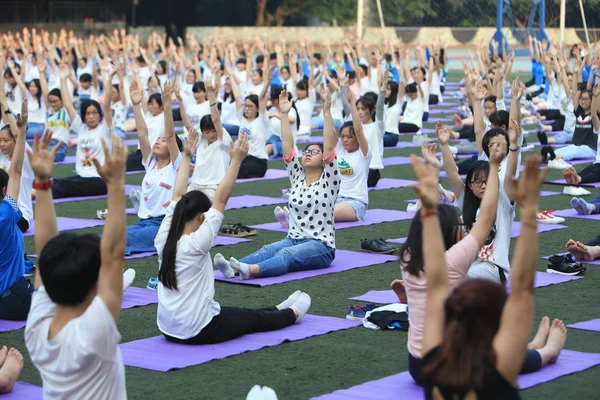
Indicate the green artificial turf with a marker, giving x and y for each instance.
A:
(319, 365)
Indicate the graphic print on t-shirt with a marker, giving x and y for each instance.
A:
(245, 130)
(86, 160)
(345, 168)
(486, 253)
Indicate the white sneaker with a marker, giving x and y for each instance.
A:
(538, 124)
(101, 214)
(128, 277)
(419, 138)
(559, 163)
(412, 207)
(453, 150)
(546, 217)
(576, 191)
(135, 196)
(283, 216)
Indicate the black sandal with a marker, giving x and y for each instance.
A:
(236, 230)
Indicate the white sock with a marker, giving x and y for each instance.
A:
(128, 277)
(241, 268)
(302, 305)
(135, 197)
(223, 265)
(290, 300)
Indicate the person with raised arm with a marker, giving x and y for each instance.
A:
(476, 337)
(310, 243)
(15, 288)
(71, 334)
(161, 162)
(187, 311)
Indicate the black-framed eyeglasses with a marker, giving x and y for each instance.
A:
(479, 183)
(311, 152)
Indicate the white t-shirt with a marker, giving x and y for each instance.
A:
(60, 125)
(374, 133)
(212, 161)
(27, 177)
(157, 187)
(229, 113)
(373, 84)
(311, 207)
(436, 88)
(258, 131)
(251, 88)
(566, 109)
(305, 109)
(89, 146)
(497, 245)
(83, 361)
(413, 113)
(195, 111)
(354, 171)
(392, 116)
(119, 115)
(275, 123)
(90, 93)
(183, 313)
(156, 127)
(32, 71)
(364, 85)
(145, 75)
(37, 111)
(14, 98)
(337, 107)
(425, 89)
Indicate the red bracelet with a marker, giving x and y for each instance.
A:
(428, 213)
(44, 185)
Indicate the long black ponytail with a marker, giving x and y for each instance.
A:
(190, 205)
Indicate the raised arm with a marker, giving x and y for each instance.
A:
(575, 86)
(18, 78)
(510, 343)
(19, 128)
(106, 78)
(226, 186)
(514, 135)
(42, 163)
(114, 235)
(167, 95)
(363, 143)
(43, 81)
(262, 99)
(596, 106)
(433, 258)
(211, 93)
(443, 135)
(64, 73)
(183, 174)
(235, 88)
(478, 95)
(135, 93)
(287, 137)
(379, 107)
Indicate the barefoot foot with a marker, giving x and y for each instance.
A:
(11, 370)
(556, 341)
(398, 288)
(541, 337)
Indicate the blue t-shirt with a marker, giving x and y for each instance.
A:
(12, 247)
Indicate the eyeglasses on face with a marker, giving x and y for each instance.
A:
(311, 152)
(479, 182)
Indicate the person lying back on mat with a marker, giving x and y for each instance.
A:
(71, 334)
(161, 162)
(475, 336)
(15, 289)
(310, 243)
(187, 311)
(354, 154)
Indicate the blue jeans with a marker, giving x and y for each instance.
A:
(32, 128)
(231, 129)
(16, 301)
(390, 139)
(563, 137)
(573, 152)
(319, 122)
(425, 116)
(61, 153)
(289, 255)
(360, 208)
(140, 237)
(275, 141)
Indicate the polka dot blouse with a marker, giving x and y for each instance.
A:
(311, 207)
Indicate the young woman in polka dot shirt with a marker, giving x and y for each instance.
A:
(315, 179)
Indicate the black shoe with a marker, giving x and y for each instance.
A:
(548, 154)
(379, 246)
(564, 265)
(543, 138)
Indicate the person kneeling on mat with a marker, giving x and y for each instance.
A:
(187, 311)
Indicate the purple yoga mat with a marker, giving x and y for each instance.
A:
(69, 199)
(158, 354)
(248, 201)
(67, 160)
(67, 224)
(345, 260)
(375, 216)
(562, 182)
(310, 139)
(404, 145)
(391, 183)
(271, 174)
(542, 279)
(571, 213)
(7, 326)
(399, 240)
(401, 386)
(138, 297)
(594, 262)
(516, 228)
(592, 325)
(24, 391)
(397, 160)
